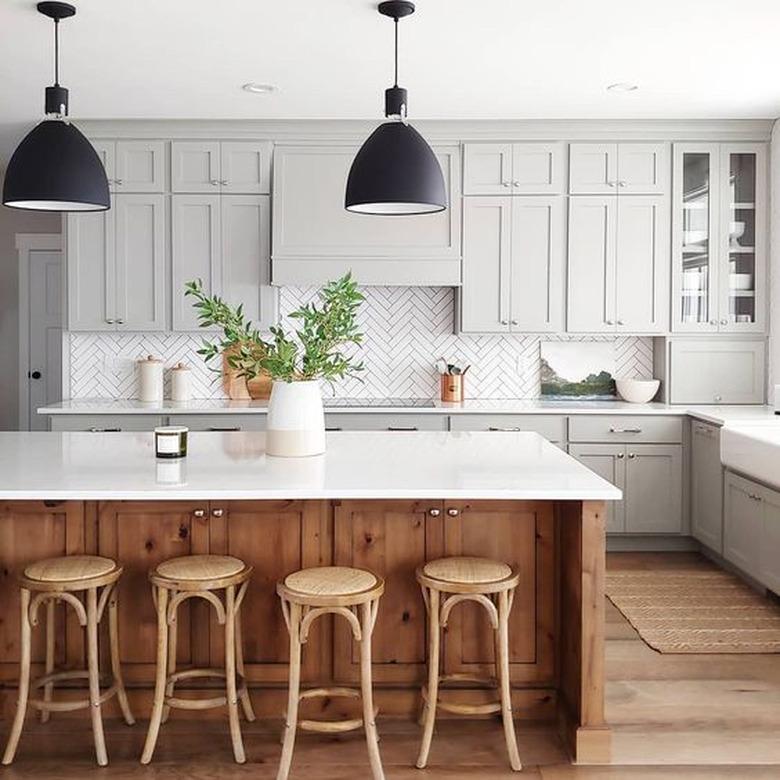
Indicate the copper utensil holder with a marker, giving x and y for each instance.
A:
(452, 387)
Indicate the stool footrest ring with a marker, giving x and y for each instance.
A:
(202, 704)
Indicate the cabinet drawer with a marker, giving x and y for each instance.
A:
(102, 423)
(625, 428)
(552, 427)
(220, 422)
(341, 421)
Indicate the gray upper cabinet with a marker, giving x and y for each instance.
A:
(625, 169)
(224, 241)
(116, 266)
(513, 265)
(618, 265)
(316, 239)
(133, 166)
(221, 167)
(513, 169)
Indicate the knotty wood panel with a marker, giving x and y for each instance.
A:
(31, 531)
(276, 538)
(520, 533)
(391, 538)
(139, 535)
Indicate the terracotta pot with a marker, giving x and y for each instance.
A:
(260, 387)
(238, 388)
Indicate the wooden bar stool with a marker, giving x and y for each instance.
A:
(445, 583)
(173, 582)
(354, 595)
(65, 579)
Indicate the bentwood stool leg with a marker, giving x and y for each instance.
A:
(429, 711)
(173, 632)
(94, 677)
(230, 674)
(48, 689)
(159, 686)
(504, 683)
(24, 681)
(246, 702)
(116, 666)
(367, 615)
(291, 721)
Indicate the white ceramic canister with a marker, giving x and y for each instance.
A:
(150, 379)
(180, 383)
(296, 421)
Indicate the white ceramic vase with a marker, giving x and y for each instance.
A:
(296, 421)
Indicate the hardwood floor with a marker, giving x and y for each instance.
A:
(686, 716)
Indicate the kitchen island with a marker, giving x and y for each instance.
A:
(382, 501)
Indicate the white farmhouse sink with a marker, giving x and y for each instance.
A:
(753, 450)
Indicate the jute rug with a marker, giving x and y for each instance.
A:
(696, 611)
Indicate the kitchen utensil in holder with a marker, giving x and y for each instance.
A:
(452, 387)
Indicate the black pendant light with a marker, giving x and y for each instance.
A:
(395, 172)
(55, 168)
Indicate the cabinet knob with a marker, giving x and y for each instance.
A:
(620, 322)
(621, 184)
(110, 322)
(505, 322)
(724, 322)
(434, 512)
(217, 512)
(453, 512)
(120, 182)
(713, 322)
(610, 184)
(514, 322)
(718, 399)
(223, 182)
(516, 183)
(215, 182)
(610, 322)
(199, 512)
(120, 322)
(506, 183)
(621, 455)
(631, 455)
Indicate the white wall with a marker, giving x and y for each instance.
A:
(774, 262)
(13, 221)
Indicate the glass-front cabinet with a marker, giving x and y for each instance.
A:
(719, 238)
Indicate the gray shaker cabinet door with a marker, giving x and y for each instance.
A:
(609, 462)
(654, 488)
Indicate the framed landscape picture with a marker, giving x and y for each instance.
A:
(577, 369)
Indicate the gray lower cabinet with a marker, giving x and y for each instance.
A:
(551, 426)
(706, 485)
(345, 421)
(103, 423)
(650, 476)
(220, 422)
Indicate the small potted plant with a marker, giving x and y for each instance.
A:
(297, 362)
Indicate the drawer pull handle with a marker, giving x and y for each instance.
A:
(224, 429)
(400, 428)
(625, 430)
(754, 496)
(505, 430)
(105, 430)
(334, 429)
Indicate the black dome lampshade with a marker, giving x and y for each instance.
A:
(55, 168)
(395, 172)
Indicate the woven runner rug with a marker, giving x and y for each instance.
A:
(696, 611)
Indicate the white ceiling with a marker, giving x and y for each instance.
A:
(509, 59)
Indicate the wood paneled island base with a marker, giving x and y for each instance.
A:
(556, 629)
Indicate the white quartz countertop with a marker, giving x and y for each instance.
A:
(363, 464)
(719, 415)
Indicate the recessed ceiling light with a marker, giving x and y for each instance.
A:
(259, 89)
(622, 86)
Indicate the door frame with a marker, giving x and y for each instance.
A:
(26, 244)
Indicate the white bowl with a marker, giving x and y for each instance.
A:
(637, 391)
(741, 281)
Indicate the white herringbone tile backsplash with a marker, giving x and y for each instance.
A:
(406, 329)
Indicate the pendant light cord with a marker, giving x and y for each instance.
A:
(56, 52)
(395, 79)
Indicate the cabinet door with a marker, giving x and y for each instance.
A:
(91, 248)
(487, 169)
(742, 238)
(141, 534)
(642, 265)
(538, 169)
(246, 167)
(140, 262)
(140, 166)
(246, 257)
(706, 486)
(485, 294)
(593, 169)
(195, 166)
(609, 462)
(520, 533)
(31, 531)
(743, 519)
(276, 538)
(769, 555)
(695, 219)
(653, 494)
(643, 169)
(106, 151)
(592, 236)
(390, 538)
(196, 252)
(537, 246)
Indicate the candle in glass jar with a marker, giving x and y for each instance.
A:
(170, 441)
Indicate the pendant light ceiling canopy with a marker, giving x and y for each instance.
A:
(55, 168)
(395, 172)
